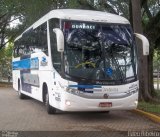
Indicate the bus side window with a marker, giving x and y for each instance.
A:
(15, 53)
(56, 56)
(19, 48)
(40, 39)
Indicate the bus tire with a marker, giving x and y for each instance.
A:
(49, 108)
(20, 95)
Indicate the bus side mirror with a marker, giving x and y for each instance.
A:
(145, 43)
(60, 39)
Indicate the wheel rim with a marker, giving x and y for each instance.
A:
(19, 92)
(46, 99)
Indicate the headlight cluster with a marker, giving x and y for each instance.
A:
(73, 91)
(133, 91)
(70, 90)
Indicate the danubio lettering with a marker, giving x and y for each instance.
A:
(83, 26)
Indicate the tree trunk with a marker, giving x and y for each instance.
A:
(151, 83)
(158, 79)
(142, 60)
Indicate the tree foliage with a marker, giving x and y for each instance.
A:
(10, 10)
(5, 61)
(31, 10)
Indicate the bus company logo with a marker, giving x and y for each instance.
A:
(83, 26)
(110, 89)
(105, 95)
(44, 61)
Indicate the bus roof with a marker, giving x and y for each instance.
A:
(85, 15)
(80, 15)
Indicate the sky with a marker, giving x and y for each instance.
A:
(14, 23)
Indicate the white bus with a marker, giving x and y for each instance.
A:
(78, 60)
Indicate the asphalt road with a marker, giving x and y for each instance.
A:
(30, 115)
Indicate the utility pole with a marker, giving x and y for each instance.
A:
(142, 60)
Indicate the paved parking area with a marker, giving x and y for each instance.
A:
(30, 115)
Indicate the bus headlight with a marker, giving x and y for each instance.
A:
(133, 91)
(68, 103)
(72, 91)
(136, 102)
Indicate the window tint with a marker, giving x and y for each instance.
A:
(32, 41)
(56, 56)
(40, 40)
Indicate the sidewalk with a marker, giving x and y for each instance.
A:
(5, 80)
(5, 83)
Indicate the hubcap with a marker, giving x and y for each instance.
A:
(19, 92)
(46, 99)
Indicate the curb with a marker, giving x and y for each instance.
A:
(152, 117)
(5, 84)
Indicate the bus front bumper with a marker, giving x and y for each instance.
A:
(76, 103)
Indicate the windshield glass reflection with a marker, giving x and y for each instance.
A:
(99, 51)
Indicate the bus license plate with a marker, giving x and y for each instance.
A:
(105, 104)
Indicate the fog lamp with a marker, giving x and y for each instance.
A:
(136, 102)
(68, 103)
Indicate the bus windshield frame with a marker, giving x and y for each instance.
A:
(99, 53)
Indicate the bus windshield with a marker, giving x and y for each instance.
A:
(99, 51)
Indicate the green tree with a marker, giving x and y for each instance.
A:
(150, 14)
(10, 10)
(156, 66)
(31, 10)
(5, 61)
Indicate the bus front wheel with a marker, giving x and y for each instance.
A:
(50, 109)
